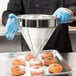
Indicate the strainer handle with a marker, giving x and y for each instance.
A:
(73, 18)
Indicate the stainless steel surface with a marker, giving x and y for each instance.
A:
(39, 18)
(36, 35)
(66, 68)
(36, 16)
(5, 62)
(73, 18)
(70, 58)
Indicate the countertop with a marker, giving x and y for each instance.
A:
(5, 62)
(70, 58)
(2, 28)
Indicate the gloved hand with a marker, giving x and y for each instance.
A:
(11, 27)
(63, 15)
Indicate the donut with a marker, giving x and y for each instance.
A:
(17, 61)
(29, 56)
(50, 60)
(35, 61)
(55, 68)
(37, 70)
(46, 54)
(17, 70)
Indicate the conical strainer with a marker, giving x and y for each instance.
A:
(37, 30)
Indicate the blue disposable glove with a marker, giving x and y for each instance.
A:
(63, 15)
(11, 27)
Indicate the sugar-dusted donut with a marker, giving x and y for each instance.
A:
(18, 61)
(55, 68)
(17, 70)
(37, 70)
(29, 56)
(50, 60)
(46, 54)
(35, 61)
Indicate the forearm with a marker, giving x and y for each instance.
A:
(15, 7)
(71, 5)
(73, 13)
(5, 17)
(73, 9)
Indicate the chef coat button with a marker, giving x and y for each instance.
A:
(37, 5)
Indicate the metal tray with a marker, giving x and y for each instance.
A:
(6, 59)
(66, 68)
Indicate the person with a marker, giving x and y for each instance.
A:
(62, 9)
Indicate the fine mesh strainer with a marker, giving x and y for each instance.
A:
(36, 30)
